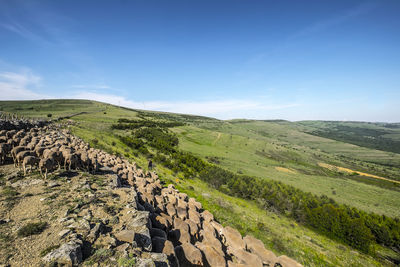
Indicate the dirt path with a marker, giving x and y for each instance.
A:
(218, 137)
(337, 168)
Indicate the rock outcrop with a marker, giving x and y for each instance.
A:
(160, 225)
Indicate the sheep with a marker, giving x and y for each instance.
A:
(31, 161)
(57, 156)
(10, 134)
(15, 151)
(24, 141)
(71, 160)
(46, 165)
(85, 161)
(4, 150)
(21, 155)
(39, 150)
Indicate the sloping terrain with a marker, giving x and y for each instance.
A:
(380, 136)
(116, 215)
(266, 149)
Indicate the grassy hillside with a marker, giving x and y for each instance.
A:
(275, 150)
(381, 136)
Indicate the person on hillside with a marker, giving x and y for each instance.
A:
(150, 165)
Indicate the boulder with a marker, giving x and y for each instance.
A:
(170, 209)
(207, 216)
(196, 204)
(213, 257)
(285, 261)
(208, 228)
(159, 222)
(158, 232)
(126, 236)
(189, 255)
(69, 254)
(212, 241)
(245, 257)
(194, 216)
(256, 247)
(140, 224)
(193, 229)
(182, 213)
(115, 181)
(233, 238)
(161, 245)
(94, 233)
(218, 228)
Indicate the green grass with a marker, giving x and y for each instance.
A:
(254, 148)
(238, 153)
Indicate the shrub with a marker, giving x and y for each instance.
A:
(32, 229)
(49, 115)
(45, 251)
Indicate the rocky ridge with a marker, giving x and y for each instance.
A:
(102, 209)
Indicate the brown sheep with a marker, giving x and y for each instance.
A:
(85, 161)
(4, 150)
(10, 134)
(24, 141)
(57, 156)
(72, 160)
(31, 161)
(46, 165)
(21, 155)
(15, 151)
(39, 150)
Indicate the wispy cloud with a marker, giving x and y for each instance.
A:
(20, 86)
(336, 20)
(223, 109)
(24, 32)
(91, 86)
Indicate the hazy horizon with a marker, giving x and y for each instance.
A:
(290, 60)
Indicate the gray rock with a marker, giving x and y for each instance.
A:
(115, 181)
(105, 169)
(145, 263)
(53, 184)
(160, 259)
(69, 254)
(140, 224)
(126, 236)
(94, 233)
(64, 233)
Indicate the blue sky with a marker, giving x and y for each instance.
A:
(294, 60)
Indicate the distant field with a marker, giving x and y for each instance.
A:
(277, 150)
(261, 158)
(381, 136)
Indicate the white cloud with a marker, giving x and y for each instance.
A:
(91, 86)
(223, 109)
(19, 86)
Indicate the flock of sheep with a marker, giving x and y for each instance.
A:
(47, 149)
(180, 228)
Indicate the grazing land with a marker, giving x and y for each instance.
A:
(283, 151)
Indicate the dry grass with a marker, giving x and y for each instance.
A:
(342, 169)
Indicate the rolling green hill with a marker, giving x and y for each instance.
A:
(288, 152)
(381, 136)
